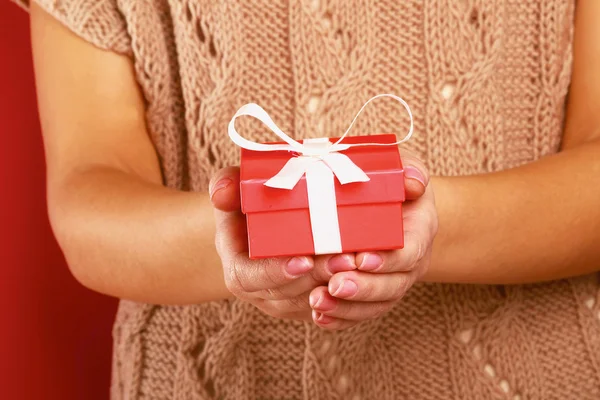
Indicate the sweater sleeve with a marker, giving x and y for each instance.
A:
(99, 22)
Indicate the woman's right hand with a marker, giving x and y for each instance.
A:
(280, 287)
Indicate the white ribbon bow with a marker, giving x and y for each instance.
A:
(319, 161)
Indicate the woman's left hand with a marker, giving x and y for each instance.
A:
(383, 278)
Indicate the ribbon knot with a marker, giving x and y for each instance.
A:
(319, 161)
(317, 152)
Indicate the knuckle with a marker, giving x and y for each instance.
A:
(282, 307)
(272, 272)
(273, 294)
(344, 311)
(273, 308)
(401, 287)
(320, 273)
(279, 306)
(286, 308)
(281, 310)
(429, 218)
(416, 251)
(379, 310)
(266, 307)
(272, 312)
(367, 290)
(420, 251)
(219, 243)
(391, 259)
(298, 303)
(234, 280)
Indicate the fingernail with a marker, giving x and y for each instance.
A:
(315, 315)
(414, 173)
(340, 263)
(314, 300)
(370, 262)
(325, 319)
(298, 266)
(222, 184)
(322, 303)
(347, 288)
(321, 318)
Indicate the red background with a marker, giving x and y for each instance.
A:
(54, 334)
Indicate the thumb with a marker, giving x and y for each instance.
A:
(416, 175)
(224, 189)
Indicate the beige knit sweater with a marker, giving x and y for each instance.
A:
(486, 79)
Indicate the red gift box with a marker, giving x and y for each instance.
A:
(369, 213)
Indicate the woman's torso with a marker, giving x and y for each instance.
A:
(486, 81)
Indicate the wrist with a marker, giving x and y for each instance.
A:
(449, 239)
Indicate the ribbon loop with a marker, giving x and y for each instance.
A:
(256, 111)
(392, 96)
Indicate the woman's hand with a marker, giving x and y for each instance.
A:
(382, 278)
(321, 287)
(279, 287)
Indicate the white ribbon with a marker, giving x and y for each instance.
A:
(320, 160)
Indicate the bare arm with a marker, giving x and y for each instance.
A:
(540, 221)
(122, 232)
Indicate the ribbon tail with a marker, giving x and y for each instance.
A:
(345, 169)
(322, 206)
(291, 173)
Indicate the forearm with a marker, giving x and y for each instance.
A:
(132, 239)
(534, 223)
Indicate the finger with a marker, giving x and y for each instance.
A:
(322, 302)
(292, 308)
(305, 315)
(231, 236)
(324, 268)
(249, 276)
(364, 286)
(416, 175)
(328, 265)
(243, 275)
(302, 285)
(402, 260)
(224, 189)
(420, 226)
(331, 323)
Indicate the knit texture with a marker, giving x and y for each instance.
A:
(486, 80)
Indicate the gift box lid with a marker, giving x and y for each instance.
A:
(381, 163)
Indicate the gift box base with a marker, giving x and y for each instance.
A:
(363, 227)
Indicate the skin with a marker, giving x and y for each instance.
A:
(270, 286)
(124, 234)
